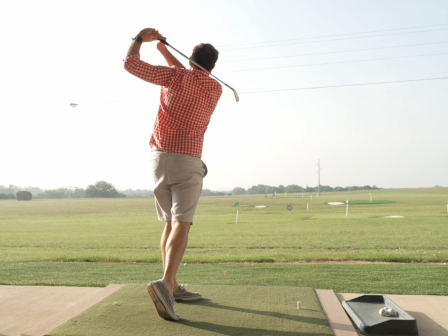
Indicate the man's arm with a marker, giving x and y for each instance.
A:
(147, 35)
(159, 75)
(170, 59)
(134, 49)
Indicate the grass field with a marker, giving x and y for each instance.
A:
(407, 279)
(127, 230)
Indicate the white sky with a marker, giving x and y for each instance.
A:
(58, 52)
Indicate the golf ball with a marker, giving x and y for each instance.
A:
(185, 264)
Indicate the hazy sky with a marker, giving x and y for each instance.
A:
(394, 135)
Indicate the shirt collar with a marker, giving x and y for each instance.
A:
(199, 71)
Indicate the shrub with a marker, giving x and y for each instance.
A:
(24, 196)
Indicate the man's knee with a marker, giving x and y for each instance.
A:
(181, 226)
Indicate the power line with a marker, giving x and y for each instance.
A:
(334, 52)
(344, 85)
(341, 39)
(321, 36)
(329, 63)
(114, 101)
(305, 88)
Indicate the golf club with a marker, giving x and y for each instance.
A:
(188, 58)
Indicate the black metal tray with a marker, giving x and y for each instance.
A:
(364, 312)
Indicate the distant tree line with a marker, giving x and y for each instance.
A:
(100, 189)
(103, 189)
(4, 196)
(208, 192)
(69, 192)
(138, 193)
(20, 196)
(15, 192)
(12, 189)
(294, 188)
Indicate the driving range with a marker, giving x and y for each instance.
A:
(276, 256)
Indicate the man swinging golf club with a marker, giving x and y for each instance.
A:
(187, 101)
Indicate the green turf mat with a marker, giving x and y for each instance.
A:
(225, 310)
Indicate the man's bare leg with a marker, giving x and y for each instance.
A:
(175, 244)
(163, 240)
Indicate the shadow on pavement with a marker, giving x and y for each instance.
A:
(427, 326)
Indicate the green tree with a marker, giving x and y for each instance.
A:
(80, 193)
(269, 190)
(259, 189)
(293, 188)
(239, 191)
(101, 189)
(309, 189)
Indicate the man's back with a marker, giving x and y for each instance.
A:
(188, 100)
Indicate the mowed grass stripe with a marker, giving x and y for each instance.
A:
(406, 279)
(127, 230)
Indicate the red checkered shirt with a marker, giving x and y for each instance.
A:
(187, 101)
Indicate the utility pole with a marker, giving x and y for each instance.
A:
(318, 178)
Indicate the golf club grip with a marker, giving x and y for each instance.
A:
(163, 41)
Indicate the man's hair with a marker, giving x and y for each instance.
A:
(205, 55)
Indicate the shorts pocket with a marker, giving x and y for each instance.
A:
(204, 168)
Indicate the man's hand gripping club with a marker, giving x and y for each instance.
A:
(147, 35)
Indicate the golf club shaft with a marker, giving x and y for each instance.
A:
(188, 58)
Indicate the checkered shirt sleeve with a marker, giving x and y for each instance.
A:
(187, 101)
(159, 75)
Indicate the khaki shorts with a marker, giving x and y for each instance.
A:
(178, 185)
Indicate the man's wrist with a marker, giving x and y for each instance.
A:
(165, 52)
(138, 38)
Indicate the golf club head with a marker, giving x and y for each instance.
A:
(236, 95)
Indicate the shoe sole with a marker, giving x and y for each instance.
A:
(188, 299)
(160, 307)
